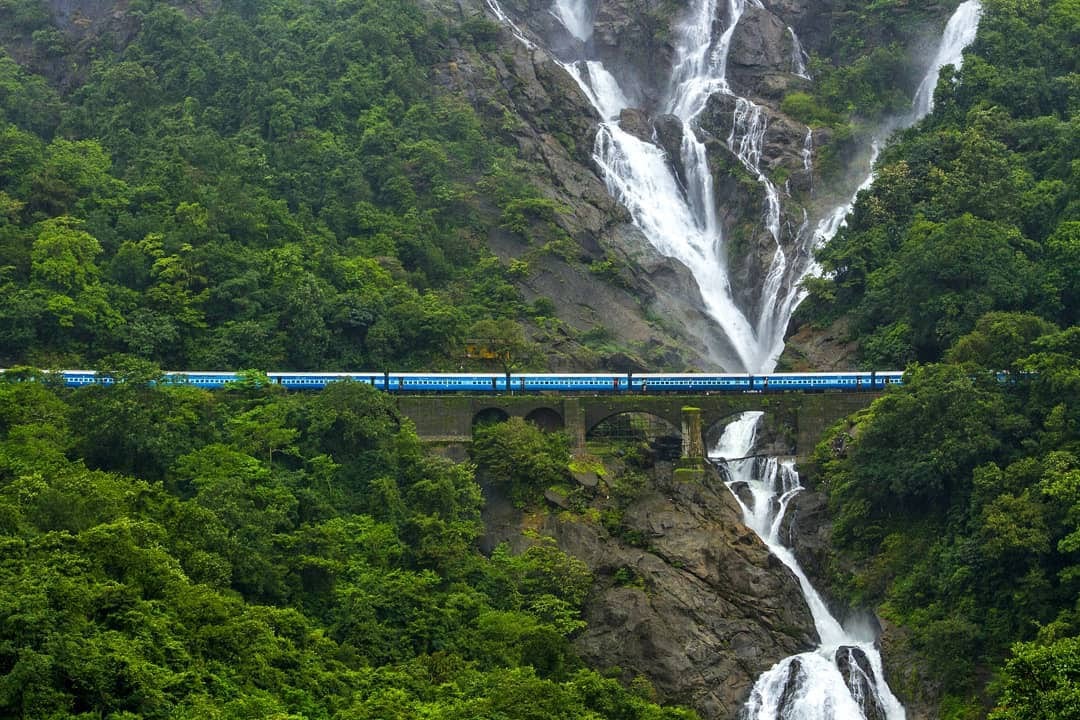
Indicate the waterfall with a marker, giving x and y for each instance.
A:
(843, 676)
(808, 150)
(959, 33)
(677, 215)
(575, 16)
(798, 56)
(600, 87)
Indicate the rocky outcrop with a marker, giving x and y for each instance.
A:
(806, 530)
(543, 111)
(859, 676)
(760, 62)
(631, 39)
(818, 349)
(706, 608)
(912, 680)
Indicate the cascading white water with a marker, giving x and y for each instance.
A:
(798, 56)
(678, 215)
(600, 87)
(679, 218)
(808, 150)
(808, 686)
(843, 676)
(959, 33)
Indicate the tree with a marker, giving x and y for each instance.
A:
(520, 457)
(501, 342)
(1041, 682)
(999, 340)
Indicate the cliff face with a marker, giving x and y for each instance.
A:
(696, 604)
(553, 125)
(523, 78)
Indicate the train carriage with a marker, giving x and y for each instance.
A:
(81, 378)
(414, 382)
(318, 381)
(205, 379)
(813, 382)
(446, 382)
(689, 382)
(568, 382)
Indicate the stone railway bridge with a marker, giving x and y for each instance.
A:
(800, 417)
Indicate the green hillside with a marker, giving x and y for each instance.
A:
(957, 499)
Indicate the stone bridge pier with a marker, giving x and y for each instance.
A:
(795, 420)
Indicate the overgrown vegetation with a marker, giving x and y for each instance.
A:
(976, 209)
(957, 497)
(169, 552)
(265, 185)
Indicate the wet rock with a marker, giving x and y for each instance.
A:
(859, 677)
(636, 123)
(742, 491)
(760, 42)
(631, 39)
(669, 135)
(792, 685)
(806, 530)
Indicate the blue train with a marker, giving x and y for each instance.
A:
(470, 382)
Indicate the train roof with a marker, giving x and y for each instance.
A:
(833, 373)
(460, 373)
(691, 375)
(335, 373)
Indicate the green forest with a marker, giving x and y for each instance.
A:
(957, 498)
(247, 553)
(282, 185)
(273, 185)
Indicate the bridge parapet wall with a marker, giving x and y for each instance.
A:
(803, 417)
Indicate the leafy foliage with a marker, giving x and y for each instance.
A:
(263, 185)
(974, 210)
(281, 556)
(519, 456)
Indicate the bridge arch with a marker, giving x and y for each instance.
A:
(775, 434)
(633, 425)
(545, 418)
(489, 416)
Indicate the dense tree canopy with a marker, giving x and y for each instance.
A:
(956, 497)
(975, 209)
(265, 185)
(174, 553)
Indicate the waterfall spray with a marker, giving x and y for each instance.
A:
(843, 676)
(677, 215)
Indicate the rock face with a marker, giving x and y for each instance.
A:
(819, 349)
(707, 608)
(545, 114)
(859, 677)
(634, 41)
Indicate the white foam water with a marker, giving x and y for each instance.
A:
(959, 33)
(678, 215)
(798, 56)
(575, 16)
(811, 685)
